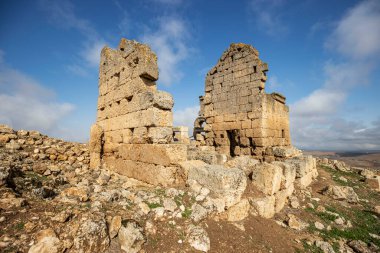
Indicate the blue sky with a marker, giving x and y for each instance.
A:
(322, 55)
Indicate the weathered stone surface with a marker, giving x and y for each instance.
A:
(131, 237)
(47, 242)
(161, 154)
(198, 212)
(324, 246)
(95, 145)
(245, 163)
(281, 198)
(295, 223)
(238, 211)
(132, 116)
(288, 174)
(92, 234)
(342, 193)
(228, 184)
(114, 226)
(80, 193)
(306, 169)
(146, 172)
(286, 152)
(264, 207)
(240, 118)
(198, 238)
(267, 177)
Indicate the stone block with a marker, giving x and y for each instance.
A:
(228, 184)
(264, 207)
(146, 172)
(160, 154)
(161, 135)
(288, 172)
(267, 177)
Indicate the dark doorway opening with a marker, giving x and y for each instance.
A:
(233, 137)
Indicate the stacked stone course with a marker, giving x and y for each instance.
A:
(134, 129)
(241, 119)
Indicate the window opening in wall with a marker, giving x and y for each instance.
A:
(254, 69)
(283, 133)
(233, 138)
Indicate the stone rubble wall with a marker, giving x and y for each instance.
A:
(134, 129)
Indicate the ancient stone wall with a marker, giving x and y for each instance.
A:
(133, 132)
(241, 119)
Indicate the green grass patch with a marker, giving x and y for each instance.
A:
(153, 205)
(178, 200)
(326, 217)
(187, 213)
(19, 226)
(363, 223)
(353, 179)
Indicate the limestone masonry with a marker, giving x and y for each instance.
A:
(240, 118)
(134, 129)
(134, 133)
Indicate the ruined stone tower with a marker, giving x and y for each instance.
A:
(134, 126)
(236, 115)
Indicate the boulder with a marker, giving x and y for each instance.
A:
(198, 238)
(244, 163)
(288, 174)
(264, 207)
(359, 246)
(306, 169)
(341, 193)
(92, 234)
(267, 177)
(114, 226)
(131, 237)
(281, 198)
(324, 246)
(227, 184)
(367, 173)
(286, 151)
(198, 212)
(295, 223)
(238, 211)
(47, 242)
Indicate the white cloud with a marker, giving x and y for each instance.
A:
(273, 82)
(315, 119)
(357, 35)
(91, 52)
(267, 16)
(170, 41)
(25, 104)
(62, 14)
(186, 117)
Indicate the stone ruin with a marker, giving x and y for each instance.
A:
(133, 134)
(241, 134)
(236, 116)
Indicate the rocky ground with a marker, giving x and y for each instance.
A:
(52, 202)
